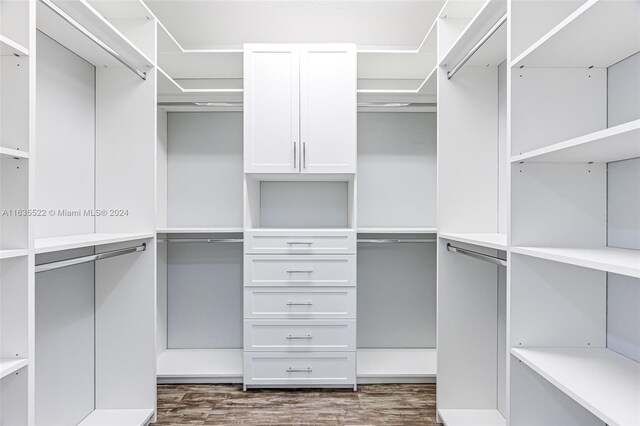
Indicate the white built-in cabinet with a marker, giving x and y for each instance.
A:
(299, 108)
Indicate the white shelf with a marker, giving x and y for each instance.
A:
(613, 144)
(118, 417)
(13, 153)
(51, 244)
(490, 12)
(472, 417)
(200, 363)
(11, 253)
(376, 230)
(84, 13)
(204, 230)
(609, 259)
(9, 47)
(399, 363)
(117, 10)
(599, 33)
(602, 381)
(494, 241)
(9, 366)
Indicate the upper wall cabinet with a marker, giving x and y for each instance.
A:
(300, 108)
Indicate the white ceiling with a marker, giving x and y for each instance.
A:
(371, 24)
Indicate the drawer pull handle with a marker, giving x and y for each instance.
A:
(299, 304)
(298, 243)
(299, 370)
(299, 271)
(307, 337)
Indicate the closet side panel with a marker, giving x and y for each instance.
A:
(623, 215)
(623, 293)
(397, 169)
(64, 339)
(125, 150)
(624, 91)
(65, 158)
(205, 169)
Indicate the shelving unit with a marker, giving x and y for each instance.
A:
(69, 242)
(576, 256)
(9, 47)
(13, 153)
(124, 417)
(493, 241)
(601, 380)
(9, 366)
(396, 365)
(473, 194)
(96, 87)
(472, 417)
(200, 365)
(608, 259)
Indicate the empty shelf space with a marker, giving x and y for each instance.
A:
(407, 363)
(9, 47)
(118, 417)
(11, 253)
(200, 363)
(494, 241)
(472, 417)
(599, 33)
(8, 365)
(376, 230)
(612, 144)
(51, 244)
(485, 18)
(204, 230)
(609, 259)
(12, 153)
(602, 381)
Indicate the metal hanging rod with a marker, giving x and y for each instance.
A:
(90, 258)
(200, 240)
(397, 241)
(92, 37)
(478, 45)
(476, 255)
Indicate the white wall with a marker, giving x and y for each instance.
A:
(65, 158)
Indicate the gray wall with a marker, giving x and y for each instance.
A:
(623, 293)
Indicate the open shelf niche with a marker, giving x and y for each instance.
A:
(200, 256)
(575, 204)
(17, 112)
(91, 109)
(472, 214)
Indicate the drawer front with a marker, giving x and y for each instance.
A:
(301, 335)
(300, 242)
(300, 270)
(314, 369)
(299, 302)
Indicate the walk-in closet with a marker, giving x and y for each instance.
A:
(386, 212)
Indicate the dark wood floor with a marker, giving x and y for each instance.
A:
(229, 405)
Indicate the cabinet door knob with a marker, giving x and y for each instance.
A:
(304, 155)
(299, 304)
(299, 271)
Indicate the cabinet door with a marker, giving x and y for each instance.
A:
(328, 108)
(271, 109)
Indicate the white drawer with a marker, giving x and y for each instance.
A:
(289, 369)
(300, 242)
(300, 302)
(300, 335)
(296, 270)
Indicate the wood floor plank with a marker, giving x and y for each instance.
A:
(394, 405)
